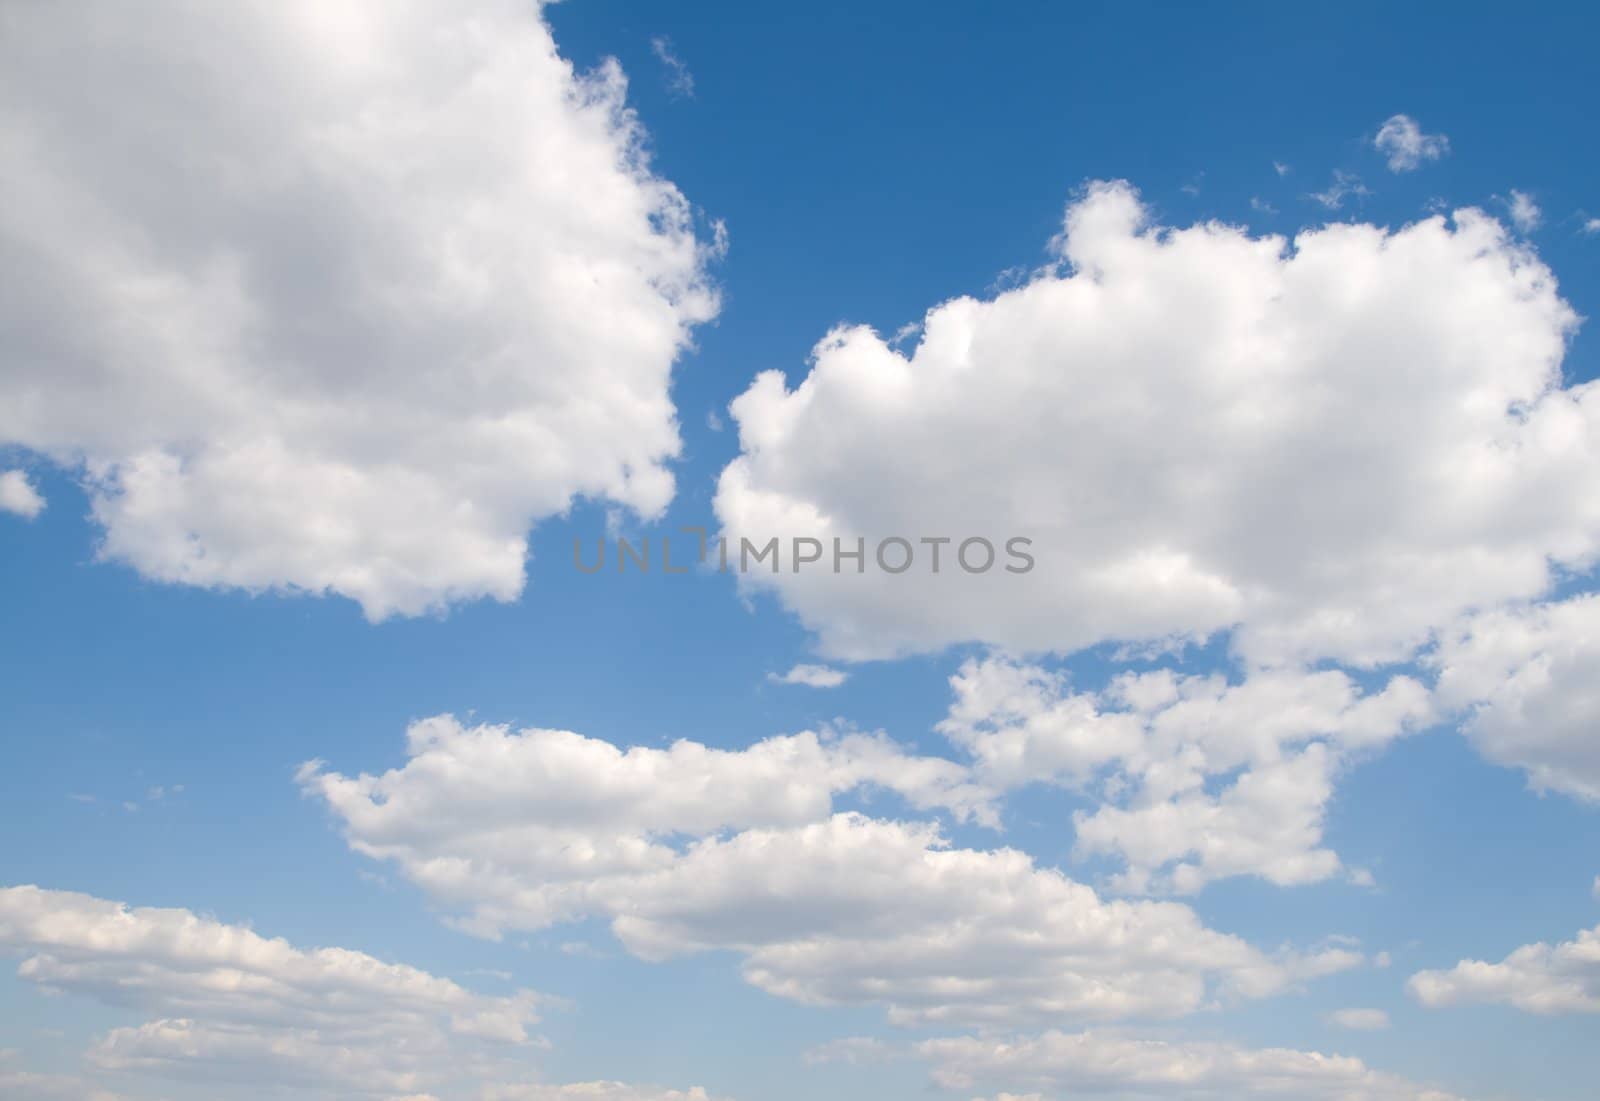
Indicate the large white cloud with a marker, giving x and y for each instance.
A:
(689, 849)
(1538, 978)
(1107, 1065)
(1334, 444)
(1528, 680)
(337, 298)
(1197, 778)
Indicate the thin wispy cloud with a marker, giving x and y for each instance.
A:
(1345, 185)
(812, 676)
(1525, 212)
(680, 81)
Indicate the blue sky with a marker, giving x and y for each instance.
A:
(163, 681)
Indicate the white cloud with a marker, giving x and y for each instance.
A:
(1525, 213)
(1345, 185)
(1592, 226)
(1525, 680)
(1076, 1064)
(854, 1050)
(18, 495)
(22, 1085)
(235, 1006)
(562, 807)
(1360, 1020)
(1154, 746)
(397, 285)
(591, 1091)
(1402, 141)
(680, 81)
(1537, 978)
(1199, 429)
(812, 676)
(689, 850)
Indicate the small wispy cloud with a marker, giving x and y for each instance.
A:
(1592, 226)
(1281, 169)
(1402, 141)
(1345, 185)
(1525, 213)
(851, 1050)
(1360, 1020)
(1261, 206)
(18, 495)
(680, 81)
(812, 676)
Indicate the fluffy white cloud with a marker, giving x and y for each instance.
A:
(1402, 141)
(1360, 1020)
(1538, 978)
(238, 1007)
(1073, 1064)
(560, 810)
(18, 495)
(334, 298)
(1526, 680)
(689, 849)
(1155, 747)
(812, 676)
(1334, 445)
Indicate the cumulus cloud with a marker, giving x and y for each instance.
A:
(237, 1007)
(18, 495)
(1524, 678)
(1402, 141)
(690, 850)
(335, 299)
(1198, 778)
(812, 676)
(1315, 442)
(1538, 978)
(1074, 1064)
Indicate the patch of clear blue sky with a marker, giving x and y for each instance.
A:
(870, 160)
